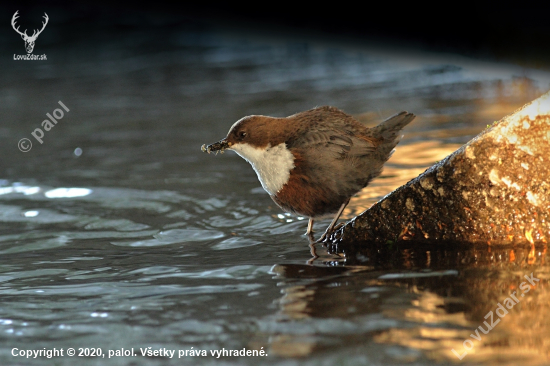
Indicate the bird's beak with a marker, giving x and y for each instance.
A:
(216, 147)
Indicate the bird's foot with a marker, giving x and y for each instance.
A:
(322, 238)
(327, 233)
(312, 241)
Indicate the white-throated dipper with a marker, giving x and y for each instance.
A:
(313, 162)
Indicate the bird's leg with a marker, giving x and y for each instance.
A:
(309, 231)
(330, 228)
(335, 220)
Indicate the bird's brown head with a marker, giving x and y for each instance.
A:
(257, 131)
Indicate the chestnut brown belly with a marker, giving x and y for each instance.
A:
(304, 198)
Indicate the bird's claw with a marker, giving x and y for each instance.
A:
(326, 234)
(321, 239)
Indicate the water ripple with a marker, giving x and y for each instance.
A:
(175, 236)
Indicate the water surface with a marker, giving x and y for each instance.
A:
(118, 233)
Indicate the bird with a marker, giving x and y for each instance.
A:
(313, 162)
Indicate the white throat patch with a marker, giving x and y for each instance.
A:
(272, 164)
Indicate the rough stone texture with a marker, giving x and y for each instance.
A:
(495, 190)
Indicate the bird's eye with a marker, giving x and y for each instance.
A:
(242, 134)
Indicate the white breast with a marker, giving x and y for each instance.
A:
(272, 164)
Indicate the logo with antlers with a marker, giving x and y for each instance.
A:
(29, 40)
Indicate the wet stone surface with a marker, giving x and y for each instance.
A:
(493, 190)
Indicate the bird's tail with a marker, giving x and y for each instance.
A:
(390, 129)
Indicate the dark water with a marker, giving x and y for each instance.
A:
(117, 232)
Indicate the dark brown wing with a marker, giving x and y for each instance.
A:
(328, 130)
(335, 144)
